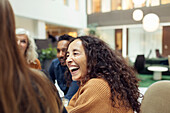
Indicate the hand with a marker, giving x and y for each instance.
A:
(65, 101)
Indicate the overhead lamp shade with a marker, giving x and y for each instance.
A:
(151, 22)
(138, 2)
(137, 15)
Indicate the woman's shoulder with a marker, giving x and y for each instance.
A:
(37, 64)
(96, 87)
(98, 81)
(97, 84)
(37, 61)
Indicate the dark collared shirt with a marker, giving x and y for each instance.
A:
(56, 72)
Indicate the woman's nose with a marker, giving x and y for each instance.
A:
(69, 59)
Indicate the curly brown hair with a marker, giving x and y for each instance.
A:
(103, 62)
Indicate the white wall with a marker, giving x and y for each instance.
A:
(40, 30)
(106, 5)
(89, 7)
(35, 27)
(26, 23)
(52, 11)
(141, 42)
(108, 35)
(135, 42)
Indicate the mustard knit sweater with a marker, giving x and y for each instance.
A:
(94, 97)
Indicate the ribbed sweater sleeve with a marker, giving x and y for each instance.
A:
(93, 97)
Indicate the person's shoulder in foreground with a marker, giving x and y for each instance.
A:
(94, 97)
(22, 90)
(157, 98)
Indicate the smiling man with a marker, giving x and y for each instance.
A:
(58, 67)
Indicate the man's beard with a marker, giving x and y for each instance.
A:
(62, 61)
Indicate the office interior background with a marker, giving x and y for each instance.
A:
(111, 20)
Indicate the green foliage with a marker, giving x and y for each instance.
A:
(92, 30)
(47, 54)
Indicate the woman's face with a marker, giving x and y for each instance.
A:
(22, 41)
(76, 60)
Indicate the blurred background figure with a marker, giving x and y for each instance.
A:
(158, 54)
(28, 48)
(22, 90)
(53, 39)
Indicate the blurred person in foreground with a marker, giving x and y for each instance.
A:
(107, 83)
(22, 89)
(58, 67)
(28, 48)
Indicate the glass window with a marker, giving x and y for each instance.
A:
(96, 6)
(165, 1)
(65, 2)
(152, 3)
(118, 39)
(155, 2)
(116, 4)
(77, 4)
(128, 4)
(89, 7)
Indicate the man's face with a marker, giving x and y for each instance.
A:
(61, 51)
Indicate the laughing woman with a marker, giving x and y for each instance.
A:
(107, 83)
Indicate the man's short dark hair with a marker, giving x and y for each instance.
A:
(65, 37)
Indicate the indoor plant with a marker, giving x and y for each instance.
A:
(46, 56)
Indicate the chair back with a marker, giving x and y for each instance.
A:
(139, 63)
(157, 98)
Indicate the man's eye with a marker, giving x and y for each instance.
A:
(58, 50)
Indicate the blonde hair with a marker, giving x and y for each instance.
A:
(30, 54)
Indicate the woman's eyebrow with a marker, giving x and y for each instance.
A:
(75, 50)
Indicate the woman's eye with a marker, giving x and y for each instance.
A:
(75, 53)
(67, 56)
(23, 41)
